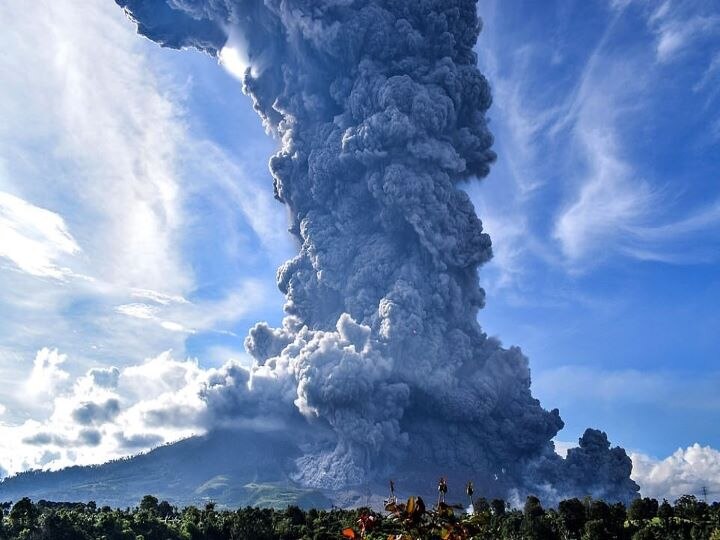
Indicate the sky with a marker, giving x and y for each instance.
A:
(139, 237)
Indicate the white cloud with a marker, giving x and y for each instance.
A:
(672, 242)
(109, 134)
(678, 25)
(157, 297)
(106, 413)
(139, 311)
(47, 374)
(660, 13)
(612, 209)
(608, 196)
(610, 201)
(710, 75)
(509, 247)
(175, 327)
(90, 146)
(99, 169)
(621, 5)
(563, 146)
(34, 238)
(112, 412)
(568, 134)
(180, 315)
(159, 375)
(520, 119)
(265, 216)
(685, 472)
(675, 35)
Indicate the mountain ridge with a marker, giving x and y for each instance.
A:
(232, 468)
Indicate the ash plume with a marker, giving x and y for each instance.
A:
(380, 109)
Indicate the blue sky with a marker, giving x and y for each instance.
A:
(605, 210)
(136, 217)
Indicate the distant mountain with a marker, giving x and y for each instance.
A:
(231, 468)
(235, 468)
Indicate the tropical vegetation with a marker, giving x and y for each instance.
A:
(573, 519)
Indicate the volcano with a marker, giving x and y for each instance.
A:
(231, 468)
(235, 468)
(380, 367)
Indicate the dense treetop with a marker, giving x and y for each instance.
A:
(573, 519)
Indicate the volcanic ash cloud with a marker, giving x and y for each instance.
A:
(380, 110)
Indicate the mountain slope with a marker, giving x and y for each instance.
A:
(232, 468)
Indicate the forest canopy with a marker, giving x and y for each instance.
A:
(573, 519)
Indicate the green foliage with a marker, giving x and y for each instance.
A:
(573, 517)
(149, 504)
(643, 509)
(688, 519)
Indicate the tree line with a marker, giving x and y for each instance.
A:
(645, 519)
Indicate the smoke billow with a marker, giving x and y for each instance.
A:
(380, 108)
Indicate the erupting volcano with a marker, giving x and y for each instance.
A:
(380, 367)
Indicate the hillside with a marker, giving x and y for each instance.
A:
(232, 468)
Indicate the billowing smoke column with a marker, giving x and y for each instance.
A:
(381, 112)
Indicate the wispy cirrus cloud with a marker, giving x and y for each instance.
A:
(606, 194)
(34, 239)
(180, 315)
(610, 196)
(678, 24)
(88, 148)
(109, 134)
(102, 191)
(710, 76)
(568, 142)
